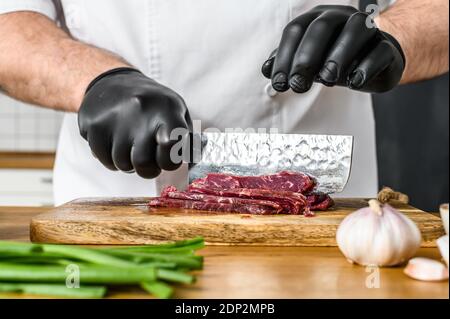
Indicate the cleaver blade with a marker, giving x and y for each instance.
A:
(327, 158)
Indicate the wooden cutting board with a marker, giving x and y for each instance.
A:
(128, 221)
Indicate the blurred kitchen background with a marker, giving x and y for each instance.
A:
(28, 138)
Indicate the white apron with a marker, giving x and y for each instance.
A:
(211, 53)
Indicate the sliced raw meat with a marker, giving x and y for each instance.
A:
(283, 181)
(216, 204)
(308, 212)
(260, 195)
(172, 192)
(319, 201)
(292, 203)
(219, 181)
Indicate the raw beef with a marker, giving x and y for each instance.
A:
(172, 192)
(172, 198)
(319, 201)
(283, 181)
(261, 195)
(292, 203)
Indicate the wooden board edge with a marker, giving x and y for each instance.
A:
(41, 229)
(42, 233)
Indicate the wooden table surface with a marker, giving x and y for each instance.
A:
(26, 160)
(269, 272)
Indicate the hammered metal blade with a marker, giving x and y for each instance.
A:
(328, 158)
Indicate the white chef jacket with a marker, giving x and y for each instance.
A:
(210, 52)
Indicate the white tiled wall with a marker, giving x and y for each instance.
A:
(26, 187)
(27, 128)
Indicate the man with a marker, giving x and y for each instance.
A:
(129, 72)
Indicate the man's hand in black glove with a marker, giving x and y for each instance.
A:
(128, 119)
(335, 45)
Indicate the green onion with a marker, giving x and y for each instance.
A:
(172, 251)
(89, 274)
(187, 261)
(54, 290)
(159, 264)
(17, 248)
(94, 256)
(37, 260)
(175, 276)
(193, 244)
(157, 288)
(43, 268)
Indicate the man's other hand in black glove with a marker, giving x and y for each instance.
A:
(335, 45)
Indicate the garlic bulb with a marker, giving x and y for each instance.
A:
(378, 235)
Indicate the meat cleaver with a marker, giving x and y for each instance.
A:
(327, 158)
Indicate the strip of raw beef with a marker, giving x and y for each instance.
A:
(173, 199)
(292, 203)
(283, 181)
(319, 201)
(172, 192)
(212, 207)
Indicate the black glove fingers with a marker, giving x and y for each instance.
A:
(354, 37)
(169, 158)
(121, 153)
(311, 53)
(292, 36)
(379, 60)
(143, 155)
(169, 140)
(267, 67)
(101, 148)
(335, 45)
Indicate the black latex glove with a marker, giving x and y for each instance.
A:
(127, 119)
(333, 45)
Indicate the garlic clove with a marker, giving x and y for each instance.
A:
(443, 247)
(425, 269)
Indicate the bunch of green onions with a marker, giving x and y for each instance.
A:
(43, 269)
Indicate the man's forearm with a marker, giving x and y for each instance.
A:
(421, 27)
(41, 64)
